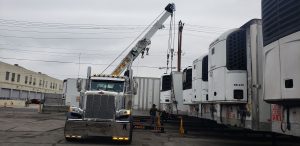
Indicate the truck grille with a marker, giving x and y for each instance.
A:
(100, 106)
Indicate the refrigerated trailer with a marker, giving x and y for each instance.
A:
(200, 79)
(281, 41)
(187, 93)
(200, 87)
(187, 86)
(171, 94)
(236, 78)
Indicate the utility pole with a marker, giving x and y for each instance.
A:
(180, 28)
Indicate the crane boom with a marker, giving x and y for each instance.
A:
(144, 42)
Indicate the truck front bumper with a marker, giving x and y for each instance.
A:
(117, 130)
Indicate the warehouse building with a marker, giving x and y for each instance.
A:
(19, 83)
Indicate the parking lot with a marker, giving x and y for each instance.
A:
(27, 127)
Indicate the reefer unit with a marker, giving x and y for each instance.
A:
(228, 68)
(187, 86)
(165, 92)
(281, 40)
(200, 80)
(281, 33)
(171, 96)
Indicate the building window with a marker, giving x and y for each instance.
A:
(7, 76)
(40, 84)
(43, 83)
(51, 85)
(18, 78)
(13, 75)
(26, 79)
(30, 80)
(46, 84)
(34, 81)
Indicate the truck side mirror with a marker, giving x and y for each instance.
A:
(79, 85)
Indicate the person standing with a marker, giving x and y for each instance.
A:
(153, 111)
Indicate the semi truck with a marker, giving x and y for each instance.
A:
(105, 108)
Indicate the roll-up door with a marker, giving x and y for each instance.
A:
(32, 95)
(38, 96)
(5, 93)
(15, 94)
(24, 94)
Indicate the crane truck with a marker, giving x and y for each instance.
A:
(105, 101)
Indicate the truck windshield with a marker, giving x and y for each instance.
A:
(107, 85)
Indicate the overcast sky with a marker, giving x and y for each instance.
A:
(50, 36)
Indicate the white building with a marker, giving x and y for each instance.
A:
(17, 82)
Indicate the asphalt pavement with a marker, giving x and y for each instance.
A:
(27, 127)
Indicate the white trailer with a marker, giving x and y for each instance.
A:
(187, 86)
(281, 35)
(236, 78)
(147, 93)
(200, 80)
(200, 87)
(227, 68)
(70, 92)
(165, 92)
(188, 96)
(171, 88)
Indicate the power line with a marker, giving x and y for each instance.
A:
(25, 37)
(66, 32)
(203, 26)
(43, 47)
(68, 53)
(18, 23)
(65, 62)
(21, 22)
